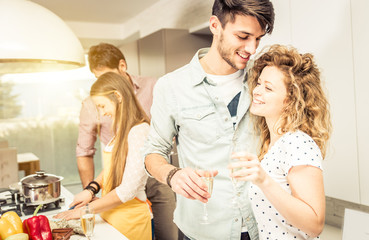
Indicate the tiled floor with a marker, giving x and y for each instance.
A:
(331, 233)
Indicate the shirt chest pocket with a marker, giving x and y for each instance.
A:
(200, 125)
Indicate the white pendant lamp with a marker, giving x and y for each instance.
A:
(33, 39)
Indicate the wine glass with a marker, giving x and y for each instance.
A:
(87, 220)
(237, 185)
(208, 178)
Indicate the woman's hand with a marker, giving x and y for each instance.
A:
(70, 214)
(81, 199)
(248, 168)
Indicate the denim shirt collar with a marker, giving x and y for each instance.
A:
(198, 73)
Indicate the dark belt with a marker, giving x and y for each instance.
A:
(245, 236)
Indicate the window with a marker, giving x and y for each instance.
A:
(39, 113)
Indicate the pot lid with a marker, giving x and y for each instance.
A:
(40, 179)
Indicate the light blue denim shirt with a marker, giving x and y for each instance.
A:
(186, 106)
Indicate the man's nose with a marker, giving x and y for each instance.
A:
(251, 46)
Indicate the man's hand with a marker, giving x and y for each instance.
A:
(189, 184)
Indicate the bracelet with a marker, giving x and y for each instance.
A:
(97, 185)
(171, 174)
(92, 189)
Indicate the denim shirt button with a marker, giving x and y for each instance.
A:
(226, 119)
(236, 220)
(247, 219)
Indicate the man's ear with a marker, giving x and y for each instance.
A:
(122, 67)
(215, 25)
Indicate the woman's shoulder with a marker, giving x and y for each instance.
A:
(139, 129)
(300, 146)
(298, 137)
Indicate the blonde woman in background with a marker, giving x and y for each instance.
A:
(291, 113)
(123, 203)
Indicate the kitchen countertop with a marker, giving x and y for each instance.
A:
(103, 230)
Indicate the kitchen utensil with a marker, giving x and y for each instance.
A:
(41, 188)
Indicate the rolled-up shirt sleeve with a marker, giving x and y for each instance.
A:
(162, 128)
(134, 177)
(87, 132)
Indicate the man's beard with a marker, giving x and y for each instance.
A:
(223, 52)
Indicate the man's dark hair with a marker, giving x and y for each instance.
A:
(262, 10)
(104, 55)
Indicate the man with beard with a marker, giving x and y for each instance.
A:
(204, 105)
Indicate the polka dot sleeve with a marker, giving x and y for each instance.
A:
(302, 150)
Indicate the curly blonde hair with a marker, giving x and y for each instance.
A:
(307, 108)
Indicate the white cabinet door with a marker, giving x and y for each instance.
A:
(324, 29)
(360, 32)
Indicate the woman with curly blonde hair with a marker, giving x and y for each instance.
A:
(291, 112)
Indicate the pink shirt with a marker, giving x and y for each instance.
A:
(89, 118)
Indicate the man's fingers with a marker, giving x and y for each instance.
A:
(189, 184)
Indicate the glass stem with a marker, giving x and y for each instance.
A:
(205, 211)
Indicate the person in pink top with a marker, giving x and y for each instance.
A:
(108, 58)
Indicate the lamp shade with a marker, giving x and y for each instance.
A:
(34, 39)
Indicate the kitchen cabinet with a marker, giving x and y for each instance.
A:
(168, 49)
(360, 38)
(329, 39)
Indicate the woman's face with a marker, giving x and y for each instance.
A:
(269, 95)
(105, 105)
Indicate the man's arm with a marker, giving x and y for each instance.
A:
(86, 169)
(87, 135)
(186, 182)
(158, 167)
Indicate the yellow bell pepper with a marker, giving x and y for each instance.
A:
(18, 236)
(10, 224)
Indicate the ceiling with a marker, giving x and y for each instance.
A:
(95, 21)
(96, 11)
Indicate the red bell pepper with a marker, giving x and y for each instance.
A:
(37, 227)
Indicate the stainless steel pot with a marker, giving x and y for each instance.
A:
(41, 188)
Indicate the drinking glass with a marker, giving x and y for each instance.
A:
(87, 220)
(208, 179)
(237, 185)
